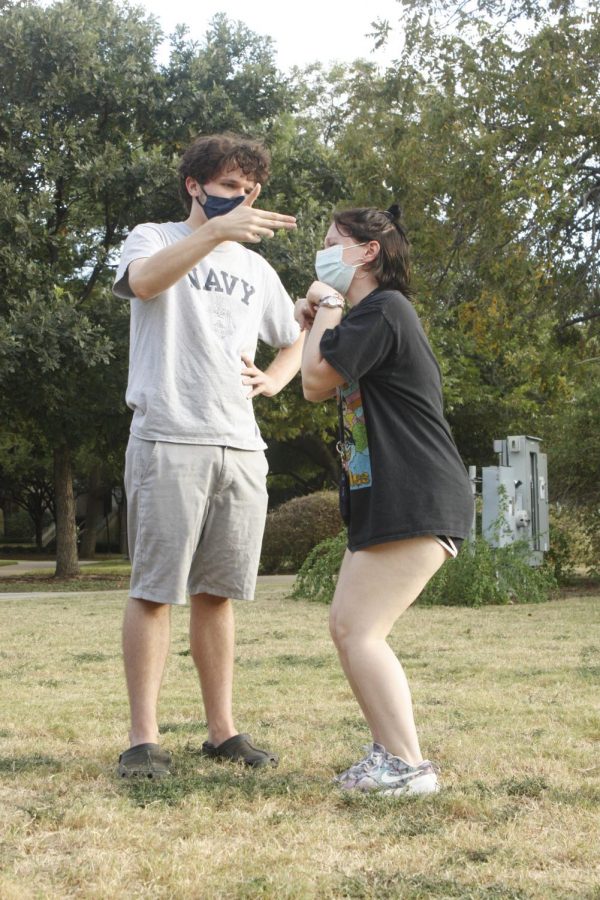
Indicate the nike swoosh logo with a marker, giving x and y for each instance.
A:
(395, 779)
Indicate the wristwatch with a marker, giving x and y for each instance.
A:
(332, 301)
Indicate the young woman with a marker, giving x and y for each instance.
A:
(410, 498)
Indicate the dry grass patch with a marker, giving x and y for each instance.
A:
(506, 698)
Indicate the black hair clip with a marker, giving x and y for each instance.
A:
(393, 213)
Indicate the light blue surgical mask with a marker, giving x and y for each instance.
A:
(332, 270)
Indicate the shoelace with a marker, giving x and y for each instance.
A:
(372, 759)
(349, 773)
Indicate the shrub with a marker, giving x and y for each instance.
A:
(573, 533)
(562, 553)
(593, 533)
(481, 575)
(318, 574)
(295, 527)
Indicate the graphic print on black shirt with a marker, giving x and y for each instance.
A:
(357, 459)
(418, 484)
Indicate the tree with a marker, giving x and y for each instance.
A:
(496, 171)
(78, 83)
(90, 129)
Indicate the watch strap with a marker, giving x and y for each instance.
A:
(332, 301)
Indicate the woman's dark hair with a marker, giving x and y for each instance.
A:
(391, 267)
(211, 155)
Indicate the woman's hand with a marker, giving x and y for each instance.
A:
(306, 308)
(318, 290)
(304, 314)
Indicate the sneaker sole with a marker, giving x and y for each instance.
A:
(424, 784)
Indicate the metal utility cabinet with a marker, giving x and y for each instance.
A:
(515, 496)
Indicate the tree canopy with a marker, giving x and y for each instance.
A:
(485, 129)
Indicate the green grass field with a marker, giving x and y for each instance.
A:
(102, 575)
(507, 703)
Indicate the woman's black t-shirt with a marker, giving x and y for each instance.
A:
(406, 476)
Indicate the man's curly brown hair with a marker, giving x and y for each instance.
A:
(211, 155)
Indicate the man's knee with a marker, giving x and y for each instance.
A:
(208, 600)
(147, 608)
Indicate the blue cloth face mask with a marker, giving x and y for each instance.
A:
(332, 270)
(219, 206)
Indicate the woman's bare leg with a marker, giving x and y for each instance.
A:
(374, 588)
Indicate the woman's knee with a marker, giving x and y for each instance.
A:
(345, 632)
(332, 624)
(335, 627)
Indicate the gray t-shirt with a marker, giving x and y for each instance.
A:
(185, 382)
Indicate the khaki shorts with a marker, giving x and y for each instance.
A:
(195, 519)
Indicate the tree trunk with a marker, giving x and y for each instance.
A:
(93, 513)
(39, 532)
(36, 510)
(67, 563)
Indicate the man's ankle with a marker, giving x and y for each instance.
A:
(217, 736)
(143, 737)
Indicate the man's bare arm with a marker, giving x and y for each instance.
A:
(154, 274)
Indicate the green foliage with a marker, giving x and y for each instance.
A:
(78, 85)
(572, 534)
(17, 527)
(90, 132)
(482, 575)
(573, 446)
(295, 527)
(593, 531)
(318, 574)
(485, 129)
(487, 135)
(561, 553)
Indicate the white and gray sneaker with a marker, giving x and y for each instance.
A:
(375, 755)
(391, 776)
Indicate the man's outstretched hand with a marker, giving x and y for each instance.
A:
(248, 225)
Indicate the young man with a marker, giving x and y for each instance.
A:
(195, 472)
